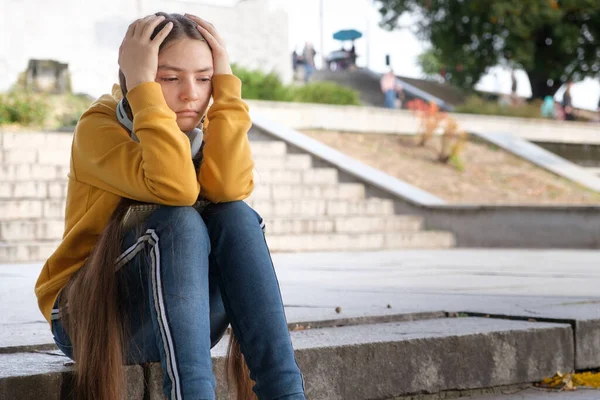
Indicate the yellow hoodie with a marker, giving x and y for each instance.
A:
(106, 164)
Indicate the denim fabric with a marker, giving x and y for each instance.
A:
(186, 273)
(308, 71)
(390, 99)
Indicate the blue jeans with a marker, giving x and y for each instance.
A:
(171, 269)
(308, 71)
(390, 99)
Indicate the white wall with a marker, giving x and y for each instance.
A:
(87, 35)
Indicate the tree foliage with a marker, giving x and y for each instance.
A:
(552, 40)
(429, 63)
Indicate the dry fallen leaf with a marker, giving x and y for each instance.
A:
(571, 381)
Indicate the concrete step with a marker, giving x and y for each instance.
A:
(288, 161)
(32, 209)
(27, 251)
(56, 173)
(13, 250)
(268, 148)
(318, 208)
(33, 172)
(360, 241)
(27, 230)
(30, 153)
(313, 176)
(371, 361)
(57, 142)
(330, 225)
(29, 140)
(340, 191)
(55, 209)
(19, 157)
(33, 190)
(20, 200)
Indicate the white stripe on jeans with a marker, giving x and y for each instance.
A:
(134, 249)
(151, 238)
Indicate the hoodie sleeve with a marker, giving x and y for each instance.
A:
(226, 170)
(158, 169)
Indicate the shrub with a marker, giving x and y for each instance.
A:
(429, 116)
(454, 141)
(268, 86)
(67, 109)
(477, 105)
(326, 93)
(22, 108)
(261, 86)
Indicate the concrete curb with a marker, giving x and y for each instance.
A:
(586, 335)
(358, 362)
(25, 344)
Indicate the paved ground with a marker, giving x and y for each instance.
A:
(552, 284)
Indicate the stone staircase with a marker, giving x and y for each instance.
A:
(306, 207)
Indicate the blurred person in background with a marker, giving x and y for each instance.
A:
(567, 103)
(308, 57)
(547, 108)
(389, 88)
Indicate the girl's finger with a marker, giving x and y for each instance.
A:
(130, 30)
(206, 25)
(210, 39)
(164, 32)
(141, 24)
(151, 24)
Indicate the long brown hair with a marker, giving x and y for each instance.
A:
(94, 295)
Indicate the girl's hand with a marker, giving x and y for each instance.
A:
(216, 44)
(138, 55)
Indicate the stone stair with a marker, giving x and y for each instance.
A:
(353, 360)
(307, 207)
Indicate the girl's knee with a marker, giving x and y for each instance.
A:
(179, 221)
(234, 213)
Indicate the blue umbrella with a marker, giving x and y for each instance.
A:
(347, 34)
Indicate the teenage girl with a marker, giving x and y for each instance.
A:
(165, 287)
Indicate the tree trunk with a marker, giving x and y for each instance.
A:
(539, 85)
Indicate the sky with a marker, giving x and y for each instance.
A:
(402, 45)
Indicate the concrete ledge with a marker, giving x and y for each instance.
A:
(543, 158)
(36, 337)
(380, 120)
(569, 227)
(358, 362)
(430, 356)
(48, 376)
(584, 317)
(587, 344)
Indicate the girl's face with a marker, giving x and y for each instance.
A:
(185, 70)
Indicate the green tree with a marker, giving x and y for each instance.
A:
(552, 40)
(429, 63)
